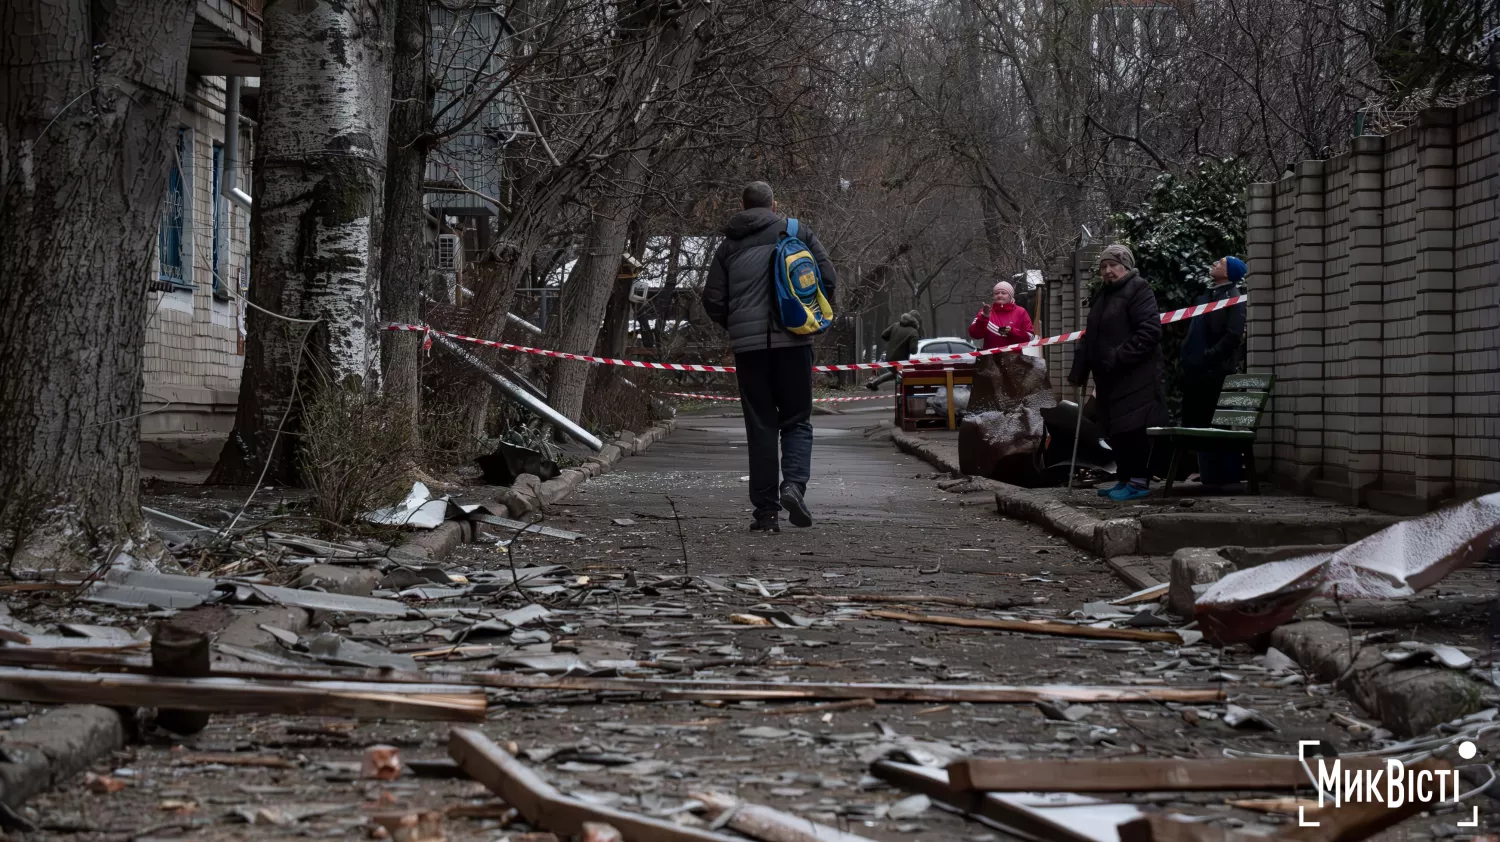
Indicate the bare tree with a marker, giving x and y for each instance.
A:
(319, 185)
(90, 103)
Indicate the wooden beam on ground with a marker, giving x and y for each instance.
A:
(1249, 773)
(1055, 818)
(1350, 822)
(543, 806)
(673, 688)
(773, 690)
(365, 700)
(1039, 627)
(761, 822)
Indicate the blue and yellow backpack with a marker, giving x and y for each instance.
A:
(800, 306)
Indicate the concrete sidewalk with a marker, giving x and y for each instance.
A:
(1161, 525)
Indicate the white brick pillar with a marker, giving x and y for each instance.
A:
(1433, 346)
(1260, 350)
(1306, 329)
(1365, 316)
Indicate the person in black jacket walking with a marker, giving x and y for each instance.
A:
(1209, 354)
(1121, 348)
(773, 367)
(900, 343)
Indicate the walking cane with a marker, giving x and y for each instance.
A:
(1077, 431)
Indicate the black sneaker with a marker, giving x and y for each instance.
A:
(796, 509)
(765, 522)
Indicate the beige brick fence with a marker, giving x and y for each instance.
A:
(1375, 289)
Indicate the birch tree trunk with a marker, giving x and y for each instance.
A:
(319, 185)
(86, 139)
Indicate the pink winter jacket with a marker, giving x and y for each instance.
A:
(987, 323)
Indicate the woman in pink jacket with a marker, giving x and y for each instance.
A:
(1003, 323)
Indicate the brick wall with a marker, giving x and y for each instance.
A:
(1376, 302)
(193, 349)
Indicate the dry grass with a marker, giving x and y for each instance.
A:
(356, 453)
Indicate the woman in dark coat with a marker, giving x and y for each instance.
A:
(1122, 350)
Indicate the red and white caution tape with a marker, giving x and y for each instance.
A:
(736, 397)
(1166, 318)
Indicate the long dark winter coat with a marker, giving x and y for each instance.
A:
(1122, 350)
(737, 294)
(901, 338)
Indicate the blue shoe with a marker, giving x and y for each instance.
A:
(1106, 492)
(1129, 492)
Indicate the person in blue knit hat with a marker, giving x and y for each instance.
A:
(1209, 354)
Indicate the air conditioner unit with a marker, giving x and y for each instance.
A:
(448, 250)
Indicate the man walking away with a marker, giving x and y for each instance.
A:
(1121, 348)
(900, 343)
(1209, 354)
(774, 367)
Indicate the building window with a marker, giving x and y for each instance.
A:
(171, 234)
(221, 233)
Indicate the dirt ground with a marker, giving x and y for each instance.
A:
(669, 559)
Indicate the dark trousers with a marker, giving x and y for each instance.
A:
(776, 396)
(1132, 451)
(1200, 397)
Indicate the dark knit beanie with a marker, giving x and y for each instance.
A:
(1118, 254)
(1235, 269)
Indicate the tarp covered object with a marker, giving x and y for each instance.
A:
(1395, 562)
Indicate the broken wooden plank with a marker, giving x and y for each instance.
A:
(1156, 591)
(794, 710)
(1130, 775)
(772, 690)
(365, 700)
(523, 527)
(1039, 627)
(1056, 817)
(761, 822)
(543, 806)
(859, 694)
(957, 601)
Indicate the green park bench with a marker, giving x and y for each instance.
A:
(1235, 421)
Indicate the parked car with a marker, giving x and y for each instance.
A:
(940, 345)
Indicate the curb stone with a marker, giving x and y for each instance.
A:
(924, 450)
(54, 746)
(436, 544)
(1408, 701)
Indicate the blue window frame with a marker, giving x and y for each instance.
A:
(172, 232)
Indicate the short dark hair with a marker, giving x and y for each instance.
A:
(757, 194)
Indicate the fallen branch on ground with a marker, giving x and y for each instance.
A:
(1040, 627)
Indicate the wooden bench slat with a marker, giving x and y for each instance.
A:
(1242, 400)
(1255, 382)
(1235, 418)
(1201, 433)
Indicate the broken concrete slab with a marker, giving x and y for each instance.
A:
(1193, 569)
(54, 746)
(1408, 701)
(354, 581)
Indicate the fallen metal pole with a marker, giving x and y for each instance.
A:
(513, 318)
(522, 396)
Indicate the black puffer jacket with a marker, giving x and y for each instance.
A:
(737, 294)
(1122, 350)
